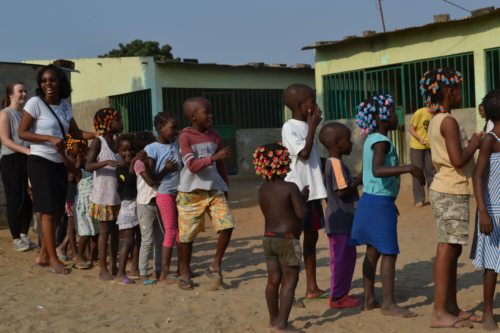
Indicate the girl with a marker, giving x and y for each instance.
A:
(45, 122)
(105, 202)
(164, 159)
(86, 227)
(487, 173)
(449, 191)
(488, 124)
(375, 218)
(15, 153)
(127, 221)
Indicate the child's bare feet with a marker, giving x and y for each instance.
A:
(370, 305)
(394, 310)
(317, 293)
(57, 267)
(168, 279)
(469, 316)
(449, 321)
(287, 328)
(489, 323)
(105, 276)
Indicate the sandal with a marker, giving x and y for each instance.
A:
(81, 265)
(185, 284)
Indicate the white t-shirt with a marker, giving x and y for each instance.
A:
(489, 126)
(46, 124)
(303, 172)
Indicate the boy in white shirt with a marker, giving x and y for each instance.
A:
(298, 137)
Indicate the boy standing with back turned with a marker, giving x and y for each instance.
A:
(305, 170)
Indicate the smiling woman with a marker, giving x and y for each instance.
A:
(45, 121)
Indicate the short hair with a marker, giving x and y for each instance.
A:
(126, 137)
(295, 94)
(491, 104)
(432, 84)
(103, 119)
(330, 132)
(271, 161)
(64, 83)
(142, 139)
(376, 105)
(190, 105)
(162, 118)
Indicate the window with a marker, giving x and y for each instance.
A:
(492, 69)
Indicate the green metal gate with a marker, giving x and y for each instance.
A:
(492, 69)
(389, 80)
(136, 110)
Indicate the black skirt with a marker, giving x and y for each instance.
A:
(49, 182)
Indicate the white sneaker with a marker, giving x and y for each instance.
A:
(28, 242)
(20, 245)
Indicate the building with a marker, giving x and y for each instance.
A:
(246, 99)
(349, 70)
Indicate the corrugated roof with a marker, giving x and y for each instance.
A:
(251, 65)
(321, 44)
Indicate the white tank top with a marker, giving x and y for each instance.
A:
(105, 185)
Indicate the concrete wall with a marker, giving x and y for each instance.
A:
(247, 140)
(84, 112)
(473, 35)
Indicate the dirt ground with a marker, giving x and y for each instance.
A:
(32, 300)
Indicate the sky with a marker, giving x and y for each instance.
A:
(220, 31)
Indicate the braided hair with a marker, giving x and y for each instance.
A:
(271, 161)
(366, 111)
(71, 142)
(491, 105)
(431, 85)
(162, 118)
(103, 119)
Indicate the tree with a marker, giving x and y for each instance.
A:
(139, 48)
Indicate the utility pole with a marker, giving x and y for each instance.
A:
(381, 13)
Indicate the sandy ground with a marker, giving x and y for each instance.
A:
(32, 300)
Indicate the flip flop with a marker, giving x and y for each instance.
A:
(126, 281)
(149, 282)
(82, 266)
(324, 295)
(185, 284)
(298, 303)
(63, 257)
(469, 317)
(456, 324)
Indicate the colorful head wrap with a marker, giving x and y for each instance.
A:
(271, 161)
(70, 143)
(366, 111)
(103, 119)
(431, 83)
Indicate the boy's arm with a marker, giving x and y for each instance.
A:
(313, 120)
(451, 133)
(487, 144)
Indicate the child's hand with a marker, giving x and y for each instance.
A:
(112, 163)
(305, 192)
(141, 155)
(419, 174)
(222, 154)
(171, 165)
(58, 143)
(314, 117)
(485, 224)
(475, 140)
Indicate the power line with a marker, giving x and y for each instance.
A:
(454, 4)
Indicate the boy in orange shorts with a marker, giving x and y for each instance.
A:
(202, 188)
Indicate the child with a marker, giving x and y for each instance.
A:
(449, 192)
(72, 149)
(298, 137)
(486, 189)
(86, 227)
(488, 124)
(151, 238)
(105, 202)
(283, 208)
(375, 218)
(202, 188)
(164, 159)
(127, 217)
(343, 195)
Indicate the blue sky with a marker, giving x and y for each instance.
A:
(222, 31)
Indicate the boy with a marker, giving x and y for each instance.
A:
(298, 137)
(202, 188)
(343, 195)
(283, 208)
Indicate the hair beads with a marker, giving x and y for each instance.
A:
(71, 142)
(271, 161)
(366, 111)
(103, 119)
(432, 82)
